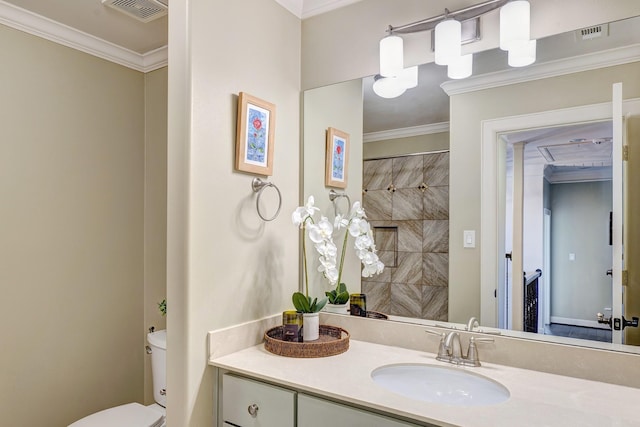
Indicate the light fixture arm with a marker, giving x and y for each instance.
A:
(464, 14)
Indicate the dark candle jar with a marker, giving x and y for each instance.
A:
(291, 326)
(358, 305)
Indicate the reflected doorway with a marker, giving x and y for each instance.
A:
(557, 209)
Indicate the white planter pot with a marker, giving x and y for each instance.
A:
(310, 326)
(337, 308)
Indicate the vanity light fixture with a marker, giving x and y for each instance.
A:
(448, 41)
(392, 87)
(391, 56)
(450, 31)
(514, 23)
(515, 33)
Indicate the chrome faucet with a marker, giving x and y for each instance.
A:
(472, 324)
(453, 347)
(450, 349)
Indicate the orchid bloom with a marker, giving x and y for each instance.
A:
(302, 213)
(321, 231)
(321, 234)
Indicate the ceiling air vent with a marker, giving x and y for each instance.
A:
(594, 32)
(142, 10)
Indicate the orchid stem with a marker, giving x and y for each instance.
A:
(344, 250)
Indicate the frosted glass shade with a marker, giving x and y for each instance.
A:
(409, 77)
(460, 67)
(515, 23)
(391, 56)
(448, 41)
(388, 87)
(522, 54)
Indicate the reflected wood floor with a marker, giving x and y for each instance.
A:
(580, 332)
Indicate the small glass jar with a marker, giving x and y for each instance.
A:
(291, 326)
(358, 305)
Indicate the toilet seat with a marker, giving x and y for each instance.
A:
(130, 415)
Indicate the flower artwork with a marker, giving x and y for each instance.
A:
(337, 158)
(257, 130)
(337, 164)
(255, 135)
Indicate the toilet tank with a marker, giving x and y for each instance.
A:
(158, 342)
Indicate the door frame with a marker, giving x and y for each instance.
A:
(492, 171)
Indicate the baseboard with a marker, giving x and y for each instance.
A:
(578, 322)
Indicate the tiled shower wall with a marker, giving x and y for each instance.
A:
(407, 202)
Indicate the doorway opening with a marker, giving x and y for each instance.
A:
(565, 170)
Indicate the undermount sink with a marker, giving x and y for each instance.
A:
(439, 384)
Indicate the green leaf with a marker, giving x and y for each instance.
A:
(301, 302)
(320, 305)
(342, 298)
(342, 288)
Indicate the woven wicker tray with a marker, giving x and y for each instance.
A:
(376, 315)
(331, 341)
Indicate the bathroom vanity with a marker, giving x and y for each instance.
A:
(339, 391)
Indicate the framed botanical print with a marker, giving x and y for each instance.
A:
(255, 135)
(337, 158)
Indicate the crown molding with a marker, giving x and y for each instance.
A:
(37, 25)
(317, 7)
(406, 132)
(293, 6)
(576, 64)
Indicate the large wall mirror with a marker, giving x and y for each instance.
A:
(402, 149)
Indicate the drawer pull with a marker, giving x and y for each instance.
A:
(253, 410)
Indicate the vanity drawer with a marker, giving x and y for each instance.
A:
(274, 406)
(313, 412)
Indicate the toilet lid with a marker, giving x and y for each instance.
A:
(130, 415)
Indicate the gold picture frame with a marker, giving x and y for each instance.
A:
(336, 158)
(255, 135)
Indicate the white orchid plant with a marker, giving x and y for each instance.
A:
(321, 234)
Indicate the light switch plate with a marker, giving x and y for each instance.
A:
(469, 239)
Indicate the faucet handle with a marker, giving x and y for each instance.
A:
(442, 351)
(472, 353)
(480, 339)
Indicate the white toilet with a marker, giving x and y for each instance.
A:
(135, 414)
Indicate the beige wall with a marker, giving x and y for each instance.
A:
(467, 113)
(632, 246)
(71, 251)
(409, 145)
(155, 209)
(224, 265)
(338, 106)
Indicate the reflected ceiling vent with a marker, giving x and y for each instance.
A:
(579, 152)
(594, 32)
(142, 10)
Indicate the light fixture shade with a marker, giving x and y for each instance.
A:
(515, 23)
(409, 77)
(391, 56)
(388, 87)
(461, 67)
(522, 54)
(448, 41)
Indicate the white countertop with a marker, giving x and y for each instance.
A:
(537, 399)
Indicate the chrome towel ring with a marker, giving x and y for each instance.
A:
(333, 195)
(258, 186)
